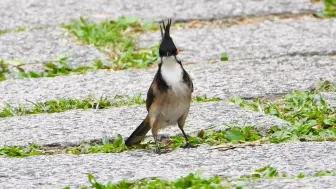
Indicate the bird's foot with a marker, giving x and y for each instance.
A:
(157, 150)
(164, 136)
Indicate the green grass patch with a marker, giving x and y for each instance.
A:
(269, 172)
(61, 67)
(106, 146)
(308, 113)
(4, 70)
(117, 39)
(191, 181)
(211, 137)
(265, 172)
(20, 29)
(64, 104)
(31, 150)
(52, 68)
(330, 8)
(196, 180)
(234, 135)
(89, 102)
(204, 98)
(311, 119)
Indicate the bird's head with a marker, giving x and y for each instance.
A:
(167, 46)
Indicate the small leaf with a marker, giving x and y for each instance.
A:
(224, 57)
(256, 175)
(118, 141)
(14, 62)
(262, 169)
(51, 66)
(234, 135)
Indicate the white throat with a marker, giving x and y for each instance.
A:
(172, 73)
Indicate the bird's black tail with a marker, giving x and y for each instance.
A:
(139, 133)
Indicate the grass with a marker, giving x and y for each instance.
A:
(196, 180)
(330, 8)
(20, 29)
(64, 104)
(204, 98)
(117, 145)
(269, 172)
(31, 150)
(211, 137)
(89, 102)
(52, 68)
(192, 181)
(4, 69)
(311, 119)
(117, 39)
(308, 113)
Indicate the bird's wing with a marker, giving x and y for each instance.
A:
(188, 81)
(150, 96)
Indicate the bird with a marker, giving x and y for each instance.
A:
(169, 95)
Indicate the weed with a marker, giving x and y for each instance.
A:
(116, 38)
(3, 70)
(204, 98)
(235, 134)
(116, 146)
(307, 112)
(192, 181)
(20, 29)
(330, 8)
(52, 68)
(64, 104)
(265, 172)
(211, 137)
(89, 102)
(195, 180)
(31, 150)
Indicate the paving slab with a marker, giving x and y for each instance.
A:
(43, 45)
(264, 40)
(305, 183)
(20, 13)
(330, 98)
(74, 127)
(268, 39)
(60, 170)
(246, 78)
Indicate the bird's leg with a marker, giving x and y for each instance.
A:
(180, 123)
(155, 130)
(187, 144)
(157, 146)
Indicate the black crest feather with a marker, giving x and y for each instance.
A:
(167, 46)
